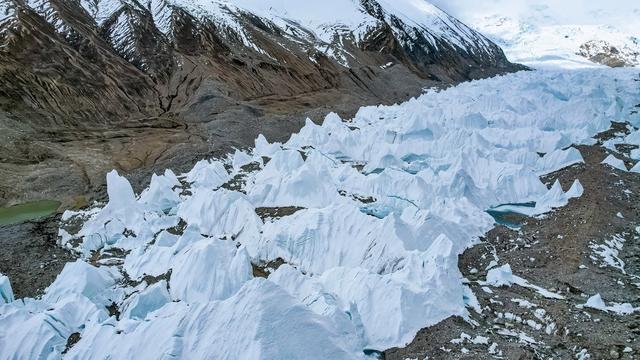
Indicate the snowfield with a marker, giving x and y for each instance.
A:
(380, 208)
(549, 33)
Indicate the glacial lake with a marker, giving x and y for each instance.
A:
(28, 211)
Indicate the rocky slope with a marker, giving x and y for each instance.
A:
(603, 52)
(90, 85)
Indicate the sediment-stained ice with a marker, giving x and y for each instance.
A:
(357, 226)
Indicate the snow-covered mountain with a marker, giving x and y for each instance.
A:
(249, 49)
(329, 26)
(570, 33)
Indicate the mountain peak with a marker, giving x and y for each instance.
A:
(328, 27)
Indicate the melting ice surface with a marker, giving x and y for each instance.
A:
(352, 283)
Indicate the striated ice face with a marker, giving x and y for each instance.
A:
(360, 249)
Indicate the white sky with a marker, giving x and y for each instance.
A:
(625, 13)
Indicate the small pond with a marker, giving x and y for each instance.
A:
(27, 211)
(512, 216)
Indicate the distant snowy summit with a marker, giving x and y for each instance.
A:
(571, 33)
(573, 45)
(606, 53)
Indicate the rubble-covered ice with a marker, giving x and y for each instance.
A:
(372, 214)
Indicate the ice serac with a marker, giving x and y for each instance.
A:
(150, 299)
(559, 159)
(576, 190)
(614, 162)
(221, 213)
(78, 298)
(252, 324)
(6, 293)
(295, 180)
(207, 174)
(161, 193)
(221, 267)
(37, 330)
(121, 214)
(414, 288)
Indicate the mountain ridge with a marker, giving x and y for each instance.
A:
(77, 70)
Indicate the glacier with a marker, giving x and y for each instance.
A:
(383, 205)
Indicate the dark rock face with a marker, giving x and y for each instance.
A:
(91, 85)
